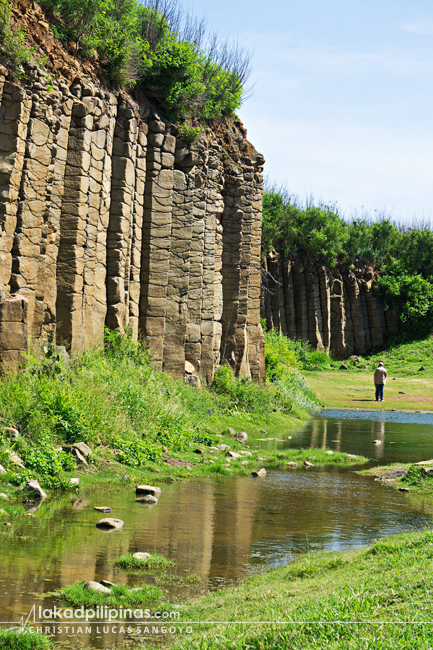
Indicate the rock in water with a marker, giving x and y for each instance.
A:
(97, 586)
(148, 489)
(141, 556)
(307, 464)
(260, 472)
(147, 498)
(35, 488)
(106, 509)
(292, 464)
(377, 442)
(110, 524)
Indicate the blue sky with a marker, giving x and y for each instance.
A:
(343, 98)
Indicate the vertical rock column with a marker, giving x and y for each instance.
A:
(212, 256)
(232, 221)
(324, 280)
(314, 309)
(81, 299)
(376, 316)
(136, 233)
(254, 177)
(289, 301)
(177, 290)
(156, 243)
(13, 331)
(121, 220)
(15, 114)
(353, 293)
(300, 298)
(47, 277)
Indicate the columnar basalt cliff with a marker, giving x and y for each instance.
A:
(336, 310)
(108, 218)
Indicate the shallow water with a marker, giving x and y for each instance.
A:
(223, 529)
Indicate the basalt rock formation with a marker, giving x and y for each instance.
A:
(336, 310)
(107, 218)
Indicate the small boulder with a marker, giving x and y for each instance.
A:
(141, 556)
(13, 433)
(148, 498)
(231, 432)
(402, 489)
(223, 447)
(2, 470)
(110, 524)
(246, 453)
(260, 459)
(193, 380)
(74, 481)
(83, 448)
(241, 436)
(307, 464)
(377, 442)
(260, 472)
(97, 586)
(343, 367)
(263, 432)
(107, 583)
(3, 495)
(148, 489)
(329, 452)
(16, 460)
(35, 489)
(351, 455)
(422, 368)
(105, 509)
(126, 477)
(233, 454)
(292, 464)
(355, 358)
(198, 451)
(189, 368)
(289, 437)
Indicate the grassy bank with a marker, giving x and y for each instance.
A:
(371, 598)
(137, 422)
(408, 387)
(407, 477)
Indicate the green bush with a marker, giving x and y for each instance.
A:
(14, 50)
(149, 44)
(24, 640)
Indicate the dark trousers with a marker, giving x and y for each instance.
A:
(379, 392)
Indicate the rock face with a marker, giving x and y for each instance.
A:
(338, 312)
(108, 218)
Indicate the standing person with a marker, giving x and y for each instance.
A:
(380, 376)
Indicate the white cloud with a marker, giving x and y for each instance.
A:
(420, 27)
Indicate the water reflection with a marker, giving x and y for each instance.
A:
(222, 529)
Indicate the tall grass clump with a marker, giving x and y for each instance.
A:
(24, 640)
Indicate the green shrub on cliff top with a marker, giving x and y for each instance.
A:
(14, 50)
(155, 45)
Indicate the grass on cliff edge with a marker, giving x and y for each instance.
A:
(113, 400)
(375, 598)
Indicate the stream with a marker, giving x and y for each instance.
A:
(222, 529)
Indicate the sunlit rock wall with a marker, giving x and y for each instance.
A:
(107, 218)
(334, 310)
